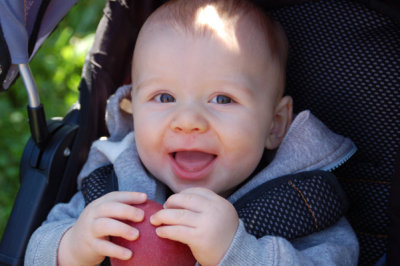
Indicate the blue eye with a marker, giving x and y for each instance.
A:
(164, 98)
(221, 99)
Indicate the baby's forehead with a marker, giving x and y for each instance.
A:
(208, 21)
(230, 20)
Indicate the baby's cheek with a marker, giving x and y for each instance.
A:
(245, 160)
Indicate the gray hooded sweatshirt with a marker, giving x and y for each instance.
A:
(308, 145)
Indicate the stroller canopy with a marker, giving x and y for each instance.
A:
(25, 25)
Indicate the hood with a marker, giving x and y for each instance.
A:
(308, 145)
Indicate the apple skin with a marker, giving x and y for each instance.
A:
(149, 249)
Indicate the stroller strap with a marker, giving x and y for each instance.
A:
(292, 206)
(101, 181)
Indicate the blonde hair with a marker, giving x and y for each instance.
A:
(182, 14)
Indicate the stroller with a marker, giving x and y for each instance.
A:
(344, 65)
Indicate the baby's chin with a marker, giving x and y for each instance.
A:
(177, 188)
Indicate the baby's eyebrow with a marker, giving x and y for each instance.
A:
(149, 82)
(223, 85)
(235, 86)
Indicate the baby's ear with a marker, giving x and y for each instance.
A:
(125, 105)
(280, 123)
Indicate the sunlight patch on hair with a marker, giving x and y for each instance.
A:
(209, 17)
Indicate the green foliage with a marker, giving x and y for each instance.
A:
(57, 69)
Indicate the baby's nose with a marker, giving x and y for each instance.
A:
(189, 120)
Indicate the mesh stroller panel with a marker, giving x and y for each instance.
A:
(344, 65)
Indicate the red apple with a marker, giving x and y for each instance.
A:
(149, 249)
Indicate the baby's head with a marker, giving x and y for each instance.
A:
(207, 98)
(238, 25)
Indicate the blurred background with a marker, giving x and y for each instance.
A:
(57, 70)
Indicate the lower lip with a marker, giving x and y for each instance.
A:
(183, 174)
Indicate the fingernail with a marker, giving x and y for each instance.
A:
(139, 213)
(158, 232)
(127, 254)
(152, 220)
(134, 233)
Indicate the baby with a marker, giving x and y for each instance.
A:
(207, 101)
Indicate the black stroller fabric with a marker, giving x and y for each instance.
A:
(344, 65)
(393, 255)
(293, 206)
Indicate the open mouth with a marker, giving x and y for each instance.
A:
(191, 164)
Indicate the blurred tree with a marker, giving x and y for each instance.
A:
(57, 71)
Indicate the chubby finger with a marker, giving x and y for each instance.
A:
(108, 249)
(180, 233)
(103, 227)
(119, 211)
(201, 191)
(128, 197)
(174, 217)
(187, 201)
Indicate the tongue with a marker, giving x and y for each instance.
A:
(193, 161)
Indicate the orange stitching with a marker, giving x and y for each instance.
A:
(371, 235)
(305, 201)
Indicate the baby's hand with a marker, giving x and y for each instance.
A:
(87, 242)
(201, 219)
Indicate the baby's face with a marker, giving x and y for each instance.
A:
(202, 110)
